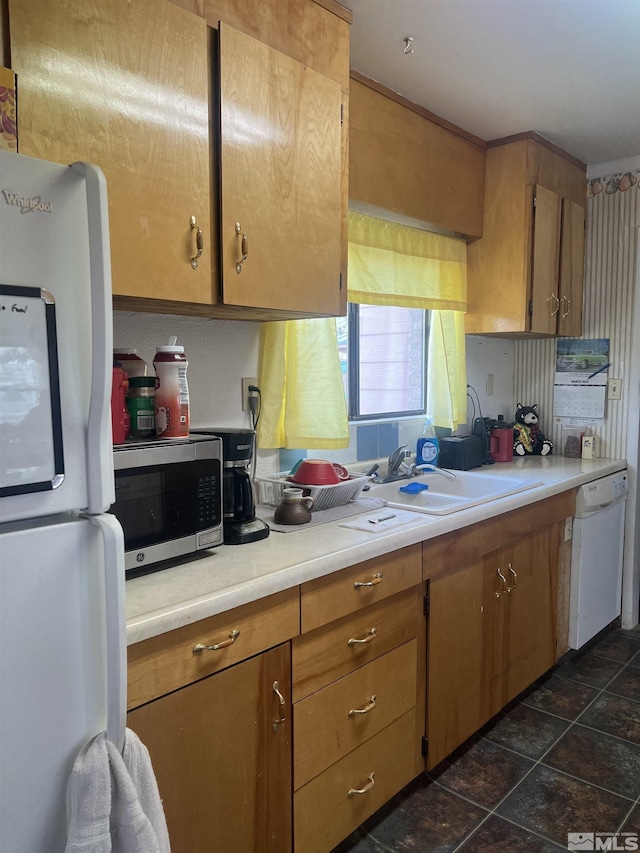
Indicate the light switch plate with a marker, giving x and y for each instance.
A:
(614, 389)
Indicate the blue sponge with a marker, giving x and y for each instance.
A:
(413, 488)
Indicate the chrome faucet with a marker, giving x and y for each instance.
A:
(396, 465)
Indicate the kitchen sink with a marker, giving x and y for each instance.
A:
(446, 494)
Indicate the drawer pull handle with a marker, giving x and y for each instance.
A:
(515, 576)
(353, 791)
(568, 311)
(365, 710)
(200, 647)
(281, 719)
(370, 636)
(377, 578)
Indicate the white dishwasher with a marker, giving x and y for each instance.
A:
(596, 557)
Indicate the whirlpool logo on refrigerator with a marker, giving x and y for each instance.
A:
(27, 205)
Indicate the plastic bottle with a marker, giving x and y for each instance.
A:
(130, 361)
(141, 405)
(172, 391)
(428, 445)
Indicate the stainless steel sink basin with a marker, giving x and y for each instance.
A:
(445, 495)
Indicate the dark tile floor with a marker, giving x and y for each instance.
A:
(563, 757)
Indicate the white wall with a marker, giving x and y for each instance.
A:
(220, 353)
(490, 363)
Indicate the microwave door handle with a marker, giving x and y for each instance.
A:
(114, 580)
(99, 444)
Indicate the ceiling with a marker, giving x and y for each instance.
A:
(568, 69)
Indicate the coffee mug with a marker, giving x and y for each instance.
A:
(294, 509)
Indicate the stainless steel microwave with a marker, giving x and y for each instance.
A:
(168, 498)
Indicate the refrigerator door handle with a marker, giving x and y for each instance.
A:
(114, 582)
(100, 485)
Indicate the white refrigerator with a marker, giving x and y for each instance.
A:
(62, 641)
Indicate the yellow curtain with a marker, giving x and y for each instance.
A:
(393, 264)
(303, 400)
(447, 370)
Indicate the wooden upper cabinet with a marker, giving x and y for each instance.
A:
(125, 84)
(403, 161)
(525, 273)
(572, 236)
(280, 161)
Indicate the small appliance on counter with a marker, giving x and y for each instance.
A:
(239, 505)
(461, 452)
(168, 498)
(482, 428)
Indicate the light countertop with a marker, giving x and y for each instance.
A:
(232, 575)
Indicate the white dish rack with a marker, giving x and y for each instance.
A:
(324, 497)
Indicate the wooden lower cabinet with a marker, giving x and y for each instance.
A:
(222, 758)
(492, 632)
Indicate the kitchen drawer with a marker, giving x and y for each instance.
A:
(331, 597)
(335, 650)
(168, 661)
(324, 813)
(325, 725)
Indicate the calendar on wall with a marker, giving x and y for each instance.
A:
(582, 371)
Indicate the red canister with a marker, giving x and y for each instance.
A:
(120, 423)
(501, 442)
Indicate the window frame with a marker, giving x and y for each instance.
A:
(353, 371)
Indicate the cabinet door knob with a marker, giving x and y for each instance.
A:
(370, 636)
(377, 578)
(353, 791)
(201, 647)
(366, 710)
(568, 303)
(281, 719)
(244, 247)
(557, 308)
(193, 222)
(515, 576)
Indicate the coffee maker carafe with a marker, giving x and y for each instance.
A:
(238, 499)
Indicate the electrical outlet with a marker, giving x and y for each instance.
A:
(489, 384)
(246, 393)
(614, 389)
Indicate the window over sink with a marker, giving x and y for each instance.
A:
(383, 356)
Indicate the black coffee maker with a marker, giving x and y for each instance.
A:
(238, 499)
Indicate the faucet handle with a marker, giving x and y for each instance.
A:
(397, 458)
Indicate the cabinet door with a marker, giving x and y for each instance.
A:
(223, 771)
(124, 84)
(280, 176)
(545, 301)
(465, 622)
(531, 569)
(571, 269)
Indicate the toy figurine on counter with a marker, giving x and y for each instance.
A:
(529, 439)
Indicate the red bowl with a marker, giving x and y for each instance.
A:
(315, 472)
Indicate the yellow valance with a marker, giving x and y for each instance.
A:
(392, 264)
